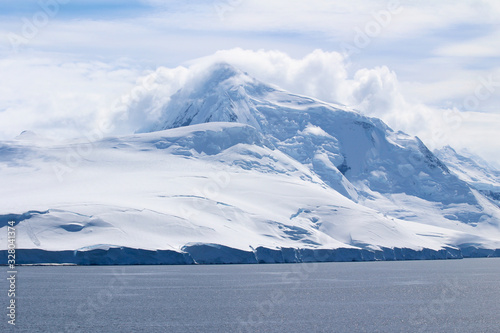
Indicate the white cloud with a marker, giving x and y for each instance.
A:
(376, 92)
(57, 98)
(484, 46)
(68, 76)
(61, 98)
(320, 74)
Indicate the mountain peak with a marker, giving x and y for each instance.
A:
(219, 94)
(221, 71)
(213, 76)
(243, 165)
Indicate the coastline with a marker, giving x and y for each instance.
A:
(208, 254)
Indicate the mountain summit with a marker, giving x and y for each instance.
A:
(221, 94)
(239, 171)
(349, 151)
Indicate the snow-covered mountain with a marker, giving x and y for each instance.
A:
(237, 171)
(473, 170)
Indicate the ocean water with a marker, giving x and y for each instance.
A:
(404, 296)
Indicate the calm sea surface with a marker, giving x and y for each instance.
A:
(406, 296)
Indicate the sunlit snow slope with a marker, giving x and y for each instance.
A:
(474, 171)
(236, 171)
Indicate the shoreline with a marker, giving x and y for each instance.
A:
(213, 254)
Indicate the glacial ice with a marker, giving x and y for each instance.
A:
(237, 171)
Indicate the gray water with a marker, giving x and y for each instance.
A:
(407, 296)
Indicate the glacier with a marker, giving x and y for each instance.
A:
(238, 171)
(473, 170)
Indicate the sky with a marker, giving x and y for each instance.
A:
(427, 68)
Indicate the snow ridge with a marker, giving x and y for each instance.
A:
(238, 171)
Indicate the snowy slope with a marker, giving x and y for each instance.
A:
(237, 171)
(350, 152)
(472, 170)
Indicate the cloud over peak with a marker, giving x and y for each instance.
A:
(81, 96)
